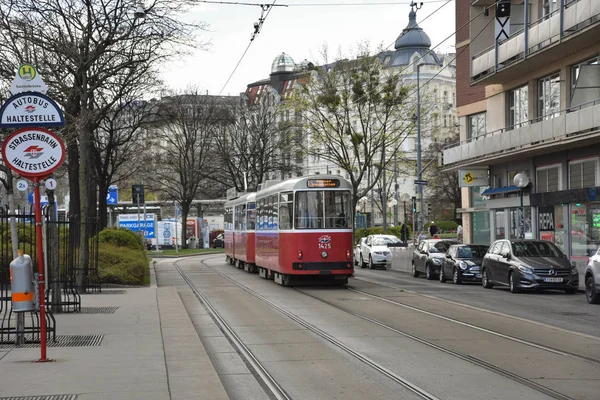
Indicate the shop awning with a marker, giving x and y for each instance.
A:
(500, 190)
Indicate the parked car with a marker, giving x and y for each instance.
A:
(592, 279)
(463, 263)
(357, 250)
(528, 264)
(219, 241)
(429, 255)
(374, 252)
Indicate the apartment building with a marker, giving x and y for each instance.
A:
(530, 104)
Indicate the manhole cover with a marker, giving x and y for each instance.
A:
(98, 310)
(53, 397)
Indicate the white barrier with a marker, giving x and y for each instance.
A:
(402, 258)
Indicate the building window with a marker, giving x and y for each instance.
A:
(585, 91)
(549, 96)
(548, 178)
(517, 107)
(477, 125)
(583, 173)
(549, 7)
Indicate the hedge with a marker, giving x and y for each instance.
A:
(121, 257)
(378, 230)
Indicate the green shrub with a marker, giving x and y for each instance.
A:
(122, 237)
(121, 265)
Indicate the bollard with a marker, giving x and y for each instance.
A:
(22, 291)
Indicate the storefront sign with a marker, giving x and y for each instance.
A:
(473, 177)
(546, 223)
(30, 109)
(33, 152)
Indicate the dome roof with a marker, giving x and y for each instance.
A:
(413, 36)
(283, 63)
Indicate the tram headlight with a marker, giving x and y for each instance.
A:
(324, 254)
(300, 255)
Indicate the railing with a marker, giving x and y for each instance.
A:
(576, 15)
(555, 125)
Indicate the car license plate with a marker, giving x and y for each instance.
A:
(477, 275)
(553, 279)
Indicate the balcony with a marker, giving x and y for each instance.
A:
(546, 43)
(570, 128)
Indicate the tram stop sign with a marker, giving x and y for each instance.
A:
(33, 152)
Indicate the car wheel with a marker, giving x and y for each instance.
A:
(428, 273)
(442, 276)
(362, 262)
(484, 280)
(371, 266)
(456, 277)
(415, 273)
(511, 283)
(592, 296)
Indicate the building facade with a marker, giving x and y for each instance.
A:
(530, 104)
(418, 65)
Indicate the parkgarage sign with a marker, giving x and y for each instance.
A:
(33, 152)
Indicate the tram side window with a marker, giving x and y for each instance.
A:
(275, 212)
(243, 217)
(236, 218)
(251, 216)
(285, 210)
(261, 214)
(228, 218)
(337, 209)
(308, 210)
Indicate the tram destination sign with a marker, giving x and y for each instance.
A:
(323, 183)
(33, 152)
(30, 109)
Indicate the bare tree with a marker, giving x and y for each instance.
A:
(188, 125)
(81, 48)
(355, 115)
(444, 186)
(257, 146)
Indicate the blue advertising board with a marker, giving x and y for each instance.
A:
(130, 221)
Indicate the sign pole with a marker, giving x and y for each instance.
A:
(40, 262)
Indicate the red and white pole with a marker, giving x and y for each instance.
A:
(40, 262)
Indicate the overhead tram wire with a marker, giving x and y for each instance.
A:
(372, 4)
(257, 27)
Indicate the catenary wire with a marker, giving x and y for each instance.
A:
(238, 3)
(246, 51)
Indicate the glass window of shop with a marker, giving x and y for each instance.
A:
(551, 225)
(481, 227)
(500, 224)
(585, 228)
(515, 223)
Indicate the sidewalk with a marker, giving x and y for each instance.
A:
(146, 349)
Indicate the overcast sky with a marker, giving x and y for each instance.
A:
(299, 30)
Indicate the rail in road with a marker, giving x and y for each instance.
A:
(262, 372)
(322, 296)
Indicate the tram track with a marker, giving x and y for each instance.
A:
(478, 328)
(465, 357)
(269, 381)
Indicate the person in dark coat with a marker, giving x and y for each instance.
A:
(433, 229)
(404, 233)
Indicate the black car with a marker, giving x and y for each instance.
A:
(528, 264)
(463, 263)
(429, 256)
(219, 241)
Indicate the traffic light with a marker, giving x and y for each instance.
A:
(414, 204)
(502, 8)
(137, 194)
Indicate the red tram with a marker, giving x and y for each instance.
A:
(240, 222)
(302, 230)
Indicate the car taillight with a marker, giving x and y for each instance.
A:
(300, 255)
(348, 254)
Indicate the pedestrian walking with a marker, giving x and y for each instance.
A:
(433, 229)
(459, 232)
(404, 233)
(422, 236)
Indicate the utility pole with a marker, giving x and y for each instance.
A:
(384, 204)
(419, 171)
(396, 190)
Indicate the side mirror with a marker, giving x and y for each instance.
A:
(448, 256)
(506, 255)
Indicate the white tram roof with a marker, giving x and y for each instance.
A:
(301, 184)
(243, 199)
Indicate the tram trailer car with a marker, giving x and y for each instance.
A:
(240, 221)
(304, 230)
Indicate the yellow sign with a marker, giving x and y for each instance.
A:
(473, 177)
(27, 72)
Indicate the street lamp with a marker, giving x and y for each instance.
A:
(404, 197)
(419, 171)
(521, 180)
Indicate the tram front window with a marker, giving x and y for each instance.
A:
(322, 209)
